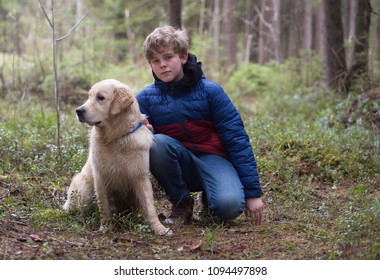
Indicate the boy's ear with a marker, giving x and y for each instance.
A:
(184, 58)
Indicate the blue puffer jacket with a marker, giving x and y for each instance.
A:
(199, 114)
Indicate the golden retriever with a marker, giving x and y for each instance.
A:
(117, 168)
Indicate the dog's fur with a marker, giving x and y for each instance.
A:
(117, 169)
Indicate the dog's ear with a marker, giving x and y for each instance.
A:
(123, 98)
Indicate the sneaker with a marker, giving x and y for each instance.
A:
(182, 212)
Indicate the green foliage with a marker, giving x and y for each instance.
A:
(204, 48)
(294, 77)
(28, 144)
(314, 150)
(361, 222)
(133, 221)
(250, 80)
(374, 252)
(305, 154)
(299, 74)
(47, 216)
(210, 237)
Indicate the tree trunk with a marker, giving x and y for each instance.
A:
(131, 37)
(319, 32)
(251, 33)
(334, 52)
(350, 19)
(277, 31)
(361, 40)
(230, 30)
(175, 13)
(264, 37)
(201, 18)
(247, 32)
(3, 49)
(377, 53)
(308, 25)
(296, 27)
(269, 41)
(215, 30)
(82, 34)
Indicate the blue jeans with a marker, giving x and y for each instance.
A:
(180, 172)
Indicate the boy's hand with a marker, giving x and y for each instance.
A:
(147, 124)
(255, 208)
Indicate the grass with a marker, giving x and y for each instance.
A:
(320, 181)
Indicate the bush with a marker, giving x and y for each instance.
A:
(296, 76)
(251, 80)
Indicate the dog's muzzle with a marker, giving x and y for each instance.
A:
(80, 113)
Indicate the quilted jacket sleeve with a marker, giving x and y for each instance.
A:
(141, 99)
(230, 127)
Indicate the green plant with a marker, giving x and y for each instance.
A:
(210, 237)
(360, 223)
(251, 80)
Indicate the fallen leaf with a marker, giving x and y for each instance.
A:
(196, 246)
(36, 238)
(74, 244)
(127, 240)
(180, 249)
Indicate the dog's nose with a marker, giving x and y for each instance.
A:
(80, 112)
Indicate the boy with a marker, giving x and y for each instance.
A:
(200, 140)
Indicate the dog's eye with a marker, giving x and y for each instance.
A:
(100, 97)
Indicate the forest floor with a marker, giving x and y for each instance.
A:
(57, 235)
(238, 240)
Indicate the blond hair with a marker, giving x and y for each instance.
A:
(164, 37)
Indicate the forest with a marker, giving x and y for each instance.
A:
(304, 75)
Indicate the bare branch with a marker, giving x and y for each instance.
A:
(72, 29)
(47, 17)
(267, 24)
(373, 12)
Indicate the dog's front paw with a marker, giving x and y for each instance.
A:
(163, 231)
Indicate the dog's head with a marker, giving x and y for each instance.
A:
(106, 99)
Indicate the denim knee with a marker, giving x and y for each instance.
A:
(159, 146)
(227, 207)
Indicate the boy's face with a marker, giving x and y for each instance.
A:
(167, 65)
